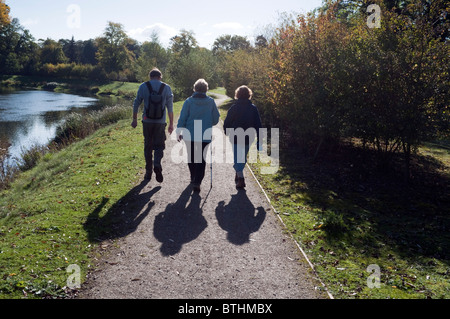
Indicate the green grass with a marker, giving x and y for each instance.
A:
(43, 214)
(78, 86)
(220, 90)
(122, 89)
(347, 216)
(57, 213)
(223, 109)
(344, 214)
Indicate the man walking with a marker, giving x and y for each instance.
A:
(158, 103)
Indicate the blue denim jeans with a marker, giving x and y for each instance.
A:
(240, 156)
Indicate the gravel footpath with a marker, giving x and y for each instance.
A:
(219, 244)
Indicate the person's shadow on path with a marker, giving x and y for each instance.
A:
(238, 218)
(123, 217)
(179, 224)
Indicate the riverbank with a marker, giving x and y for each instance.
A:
(47, 215)
(42, 215)
(125, 90)
(46, 122)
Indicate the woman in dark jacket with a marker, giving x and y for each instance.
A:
(242, 125)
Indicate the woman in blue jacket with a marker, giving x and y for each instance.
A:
(198, 115)
(242, 125)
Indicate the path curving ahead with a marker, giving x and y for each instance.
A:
(219, 244)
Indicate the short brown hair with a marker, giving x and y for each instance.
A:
(201, 86)
(155, 73)
(243, 92)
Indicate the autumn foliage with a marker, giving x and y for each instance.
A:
(326, 76)
(4, 14)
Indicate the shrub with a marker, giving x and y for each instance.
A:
(185, 70)
(77, 126)
(7, 171)
(31, 157)
(74, 71)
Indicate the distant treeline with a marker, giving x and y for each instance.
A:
(113, 56)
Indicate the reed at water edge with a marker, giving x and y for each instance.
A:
(75, 127)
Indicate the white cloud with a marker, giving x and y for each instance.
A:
(144, 34)
(29, 22)
(229, 25)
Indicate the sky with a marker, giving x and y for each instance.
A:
(87, 19)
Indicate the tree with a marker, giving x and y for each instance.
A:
(71, 49)
(4, 14)
(18, 52)
(261, 42)
(133, 47)
(229, 43)
(182, 44)
(307, 73)
(184, 70)
(113, 54)
(52, 52)
(243, 67)
(152, 54)
(331, 76)
(88, 53)
(188, 63)
(401, 72)
(350, 11)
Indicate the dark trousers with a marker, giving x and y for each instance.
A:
(154, 140)
(196, 160)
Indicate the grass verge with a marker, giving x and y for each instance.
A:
(42, 215)
(56, 214)
(356, 224)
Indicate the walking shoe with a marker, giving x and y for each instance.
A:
(240, 183)
(148, 175)
(159, 176)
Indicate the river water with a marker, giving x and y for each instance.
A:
(30, 117)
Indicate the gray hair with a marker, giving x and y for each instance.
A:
(201, 86)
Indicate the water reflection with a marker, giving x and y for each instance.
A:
(30, 118)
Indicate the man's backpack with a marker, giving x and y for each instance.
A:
(155, 110)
